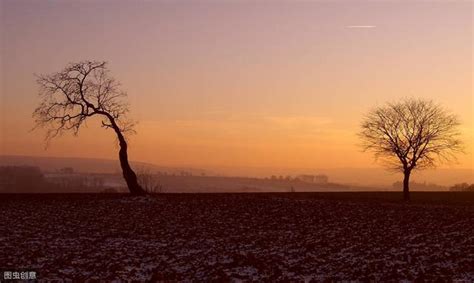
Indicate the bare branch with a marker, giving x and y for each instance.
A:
(79, 91)
(411, 134)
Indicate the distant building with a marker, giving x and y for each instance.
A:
(316, 179)
(67, 170)
(306, 178)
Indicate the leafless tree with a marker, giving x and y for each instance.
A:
(81, 91)
(149, 181)
(411, 134)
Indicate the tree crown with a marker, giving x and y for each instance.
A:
(81, 90)
(410, 134)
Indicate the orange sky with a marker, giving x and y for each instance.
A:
(239, 83)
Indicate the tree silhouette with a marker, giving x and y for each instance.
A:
(78, 92)
(411, 134)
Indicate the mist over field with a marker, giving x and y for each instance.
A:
(106, 175)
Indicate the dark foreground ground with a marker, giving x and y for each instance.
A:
(233, 237)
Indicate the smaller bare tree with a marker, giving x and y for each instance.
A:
(411, 134)
(149, 181)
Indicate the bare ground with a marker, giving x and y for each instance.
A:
(233, 237)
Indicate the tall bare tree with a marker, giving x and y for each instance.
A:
(81, 91)
(411, 134)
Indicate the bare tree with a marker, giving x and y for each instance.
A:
(149, 181)
(411, 134)
(81, 91)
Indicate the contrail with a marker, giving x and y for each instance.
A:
(360, 26)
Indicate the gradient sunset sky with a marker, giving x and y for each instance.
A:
(239, 83)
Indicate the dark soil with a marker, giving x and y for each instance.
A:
(229, 237)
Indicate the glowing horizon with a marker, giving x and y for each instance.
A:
(239, 84)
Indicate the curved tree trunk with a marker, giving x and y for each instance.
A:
(406, 185)
(127, 171)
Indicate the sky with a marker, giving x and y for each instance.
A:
(239, 83)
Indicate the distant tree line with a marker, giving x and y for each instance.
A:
(462, 187)
(420, 186)
(21, 178)
(316, 179)
(30, 179)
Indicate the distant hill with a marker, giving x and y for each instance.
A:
(379, 176)
(371, 177)
(87, 165)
